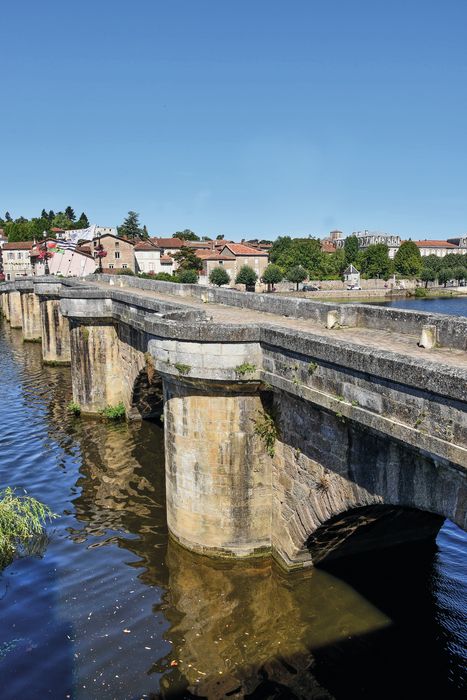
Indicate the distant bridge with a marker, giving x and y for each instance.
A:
(289, 424)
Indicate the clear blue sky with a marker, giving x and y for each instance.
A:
(241, 117)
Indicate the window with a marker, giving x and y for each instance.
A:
(117, 255)
(11, 256)
(124, 266)
(221, 262)
(111, 267)
(117, 244)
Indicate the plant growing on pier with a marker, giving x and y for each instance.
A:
(312, 367)
(245, 368)
(74, 408)
(266, 428)
(22, 520)
(114, 413)
(181, 368)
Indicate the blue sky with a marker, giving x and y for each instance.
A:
(242, 117)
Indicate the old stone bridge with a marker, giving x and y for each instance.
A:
(290, 425)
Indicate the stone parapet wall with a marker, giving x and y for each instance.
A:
(451, 332)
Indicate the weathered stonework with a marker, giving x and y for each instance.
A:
(356, 435)
(55, 333)
(31, 316)
(15, 313)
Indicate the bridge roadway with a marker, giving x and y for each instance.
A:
(405, 344)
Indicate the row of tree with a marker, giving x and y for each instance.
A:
(22, 229)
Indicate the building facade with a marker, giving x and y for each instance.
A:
(120, 252)
(17, 260)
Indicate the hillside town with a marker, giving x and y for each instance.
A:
(185, 257)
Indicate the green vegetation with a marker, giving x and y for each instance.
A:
(312, 367)
(74, 408)
(272, 275)
(246, 275)
(22, 229)
(181, 368)
(265, 427)
(420, 292)
(219, 276)
(22, 520)
(245, 368)
(187, 260)
(131, 227)
(408, 261)
(114, 413)
(187, 277)
(187, 235)
(122, 271)
(375, 261)
(297, 274)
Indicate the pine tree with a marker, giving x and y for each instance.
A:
(130, 227)
(83, 221)
(145, 233)
(51, 215)
(44, 214)
(7, 216)
(70, 214)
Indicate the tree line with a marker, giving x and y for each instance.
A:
(23, 229)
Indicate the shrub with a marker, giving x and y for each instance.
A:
(181, 368)
(114, 412)
(219, 276)
(297, 274)
(122, 272)
(74, 408)
(265, 427)
(421, 292)
(245, 368)
(22, 519)
(187, 277)
(246, 275)
(272, 275)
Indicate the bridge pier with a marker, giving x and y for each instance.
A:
(6, 305)
(218, 475)
(31, 316)
(55, 332)
(15, 312)
(97, 376)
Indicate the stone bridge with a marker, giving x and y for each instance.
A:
(290, 425)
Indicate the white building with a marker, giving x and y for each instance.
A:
(16, 260)
(65, 263)
(438, 248)
(367, 238)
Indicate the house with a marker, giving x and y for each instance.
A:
(438, 248)
(120, 252)
(352, 276)
(367, 238)
(64, 262)
(212, 259)
(16, 260)
(149, 259)
(168, 245)
(241, 254)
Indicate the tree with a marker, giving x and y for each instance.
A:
(459, 273)
(130, 227)
(51, 215)
(375, 261)
(246, 275)
(427, 275)
(187, 277)
(186, 235)
(220, 237)
(408, 261)
(61, 220)
(145, 233)
(70, 214)
(287, 253)
(44, 214)
(187, 259)
(272, 275)
(219, 276)
(444, 275)
(83, 221)
(351, 250)
(7, 216)
(297, 274)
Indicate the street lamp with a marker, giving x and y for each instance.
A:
(45, 255)
(99, 253)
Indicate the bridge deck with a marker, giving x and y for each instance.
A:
(401, 343)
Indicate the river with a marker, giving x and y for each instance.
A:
(110, 608)
(454, 306)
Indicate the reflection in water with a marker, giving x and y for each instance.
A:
(115, 610)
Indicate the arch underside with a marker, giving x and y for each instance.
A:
(371, 527)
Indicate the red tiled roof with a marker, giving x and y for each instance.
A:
(168, 242)
(57, 230)
(166, 260)
(435, 244)
(146, 245)
(19, 245)
(211, 255)
(240, 249)
(328, 247)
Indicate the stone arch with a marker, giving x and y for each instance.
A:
(326, 466)
(147, 397)
(371, 527)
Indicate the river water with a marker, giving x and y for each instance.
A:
(111, 608)
(454, 306)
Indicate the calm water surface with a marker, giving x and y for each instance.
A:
(454, 306)
(113, 609)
